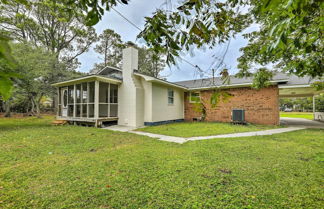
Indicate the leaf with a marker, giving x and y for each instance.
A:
(6, 86)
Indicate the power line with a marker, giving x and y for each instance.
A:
(138, 28)
(130, 22)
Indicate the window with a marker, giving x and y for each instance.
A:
(170, 96)
(194, 97)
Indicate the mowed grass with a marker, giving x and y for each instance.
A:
(44, 166)
(305, 115)
(191, 129)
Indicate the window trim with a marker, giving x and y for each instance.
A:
(170, 97)
(190, 96)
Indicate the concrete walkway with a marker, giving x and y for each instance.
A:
(182, 140)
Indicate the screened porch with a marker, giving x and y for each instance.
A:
(89, 100)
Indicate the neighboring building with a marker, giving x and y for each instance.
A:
(134, 99)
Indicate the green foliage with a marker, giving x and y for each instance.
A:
(262, 78)
(303, 104)
(318, 85)
(49, 24)
(219, 96)
(6, 84)
(194, 23)
(290, 36)
(44, 166)
(110, 47)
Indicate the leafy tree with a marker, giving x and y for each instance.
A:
(47, 23)
(36, 66)
(149, 62)
(110, 47)
(290, 34)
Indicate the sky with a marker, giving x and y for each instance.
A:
(136, 11)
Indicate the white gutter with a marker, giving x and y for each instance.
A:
(156, 80)
(234, 85)
(295, 86)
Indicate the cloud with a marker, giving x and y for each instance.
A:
(136, 11)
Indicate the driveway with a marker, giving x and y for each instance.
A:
(301, 122)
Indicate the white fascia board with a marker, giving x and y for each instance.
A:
(233, 85)
(156, 80)
(295, 86)
(87, 79)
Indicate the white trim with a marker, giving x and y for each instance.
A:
(156, 80)
(294, 86)
(234, 85)
(87, 79)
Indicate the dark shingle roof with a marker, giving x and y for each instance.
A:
(282, 78)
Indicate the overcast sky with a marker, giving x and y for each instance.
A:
(136, 11)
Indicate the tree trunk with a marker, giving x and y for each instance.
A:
(37, 105)
(32, 105)
(7, 109)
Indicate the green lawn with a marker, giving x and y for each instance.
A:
(306, 115)
(44, 166)
(191, 129)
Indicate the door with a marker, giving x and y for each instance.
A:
(64, 94)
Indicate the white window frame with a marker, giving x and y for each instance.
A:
(169, 97)
(190, 96)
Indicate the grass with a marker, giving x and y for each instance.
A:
(191, 129)
(44, 166)
(305, 115)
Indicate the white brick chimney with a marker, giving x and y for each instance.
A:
(130, 92)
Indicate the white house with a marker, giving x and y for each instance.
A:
(131, 98)
(134, 99)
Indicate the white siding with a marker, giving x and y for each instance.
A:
(161, 110)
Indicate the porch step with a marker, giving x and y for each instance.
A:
(59, 122)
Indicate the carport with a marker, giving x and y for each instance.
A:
(300, 87)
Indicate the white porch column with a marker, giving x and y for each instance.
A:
(96, 100)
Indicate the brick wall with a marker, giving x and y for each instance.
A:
(261, 106)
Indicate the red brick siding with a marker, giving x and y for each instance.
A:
(261, 106)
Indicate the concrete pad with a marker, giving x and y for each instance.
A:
(301, 122)
(120, 128)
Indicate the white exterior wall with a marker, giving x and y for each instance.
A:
(161, 110)
(130, 92)
(142, 101)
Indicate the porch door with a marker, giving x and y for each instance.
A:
(64, 100)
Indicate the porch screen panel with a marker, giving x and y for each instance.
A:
(113, 94)
(84, 113)
(103, 110)
(91, 110)
(78, 100)
(113, 110)
(91, 92)
(70, 100)
(103, 92)
(59, 101)
(84, 93)
(91, 95)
